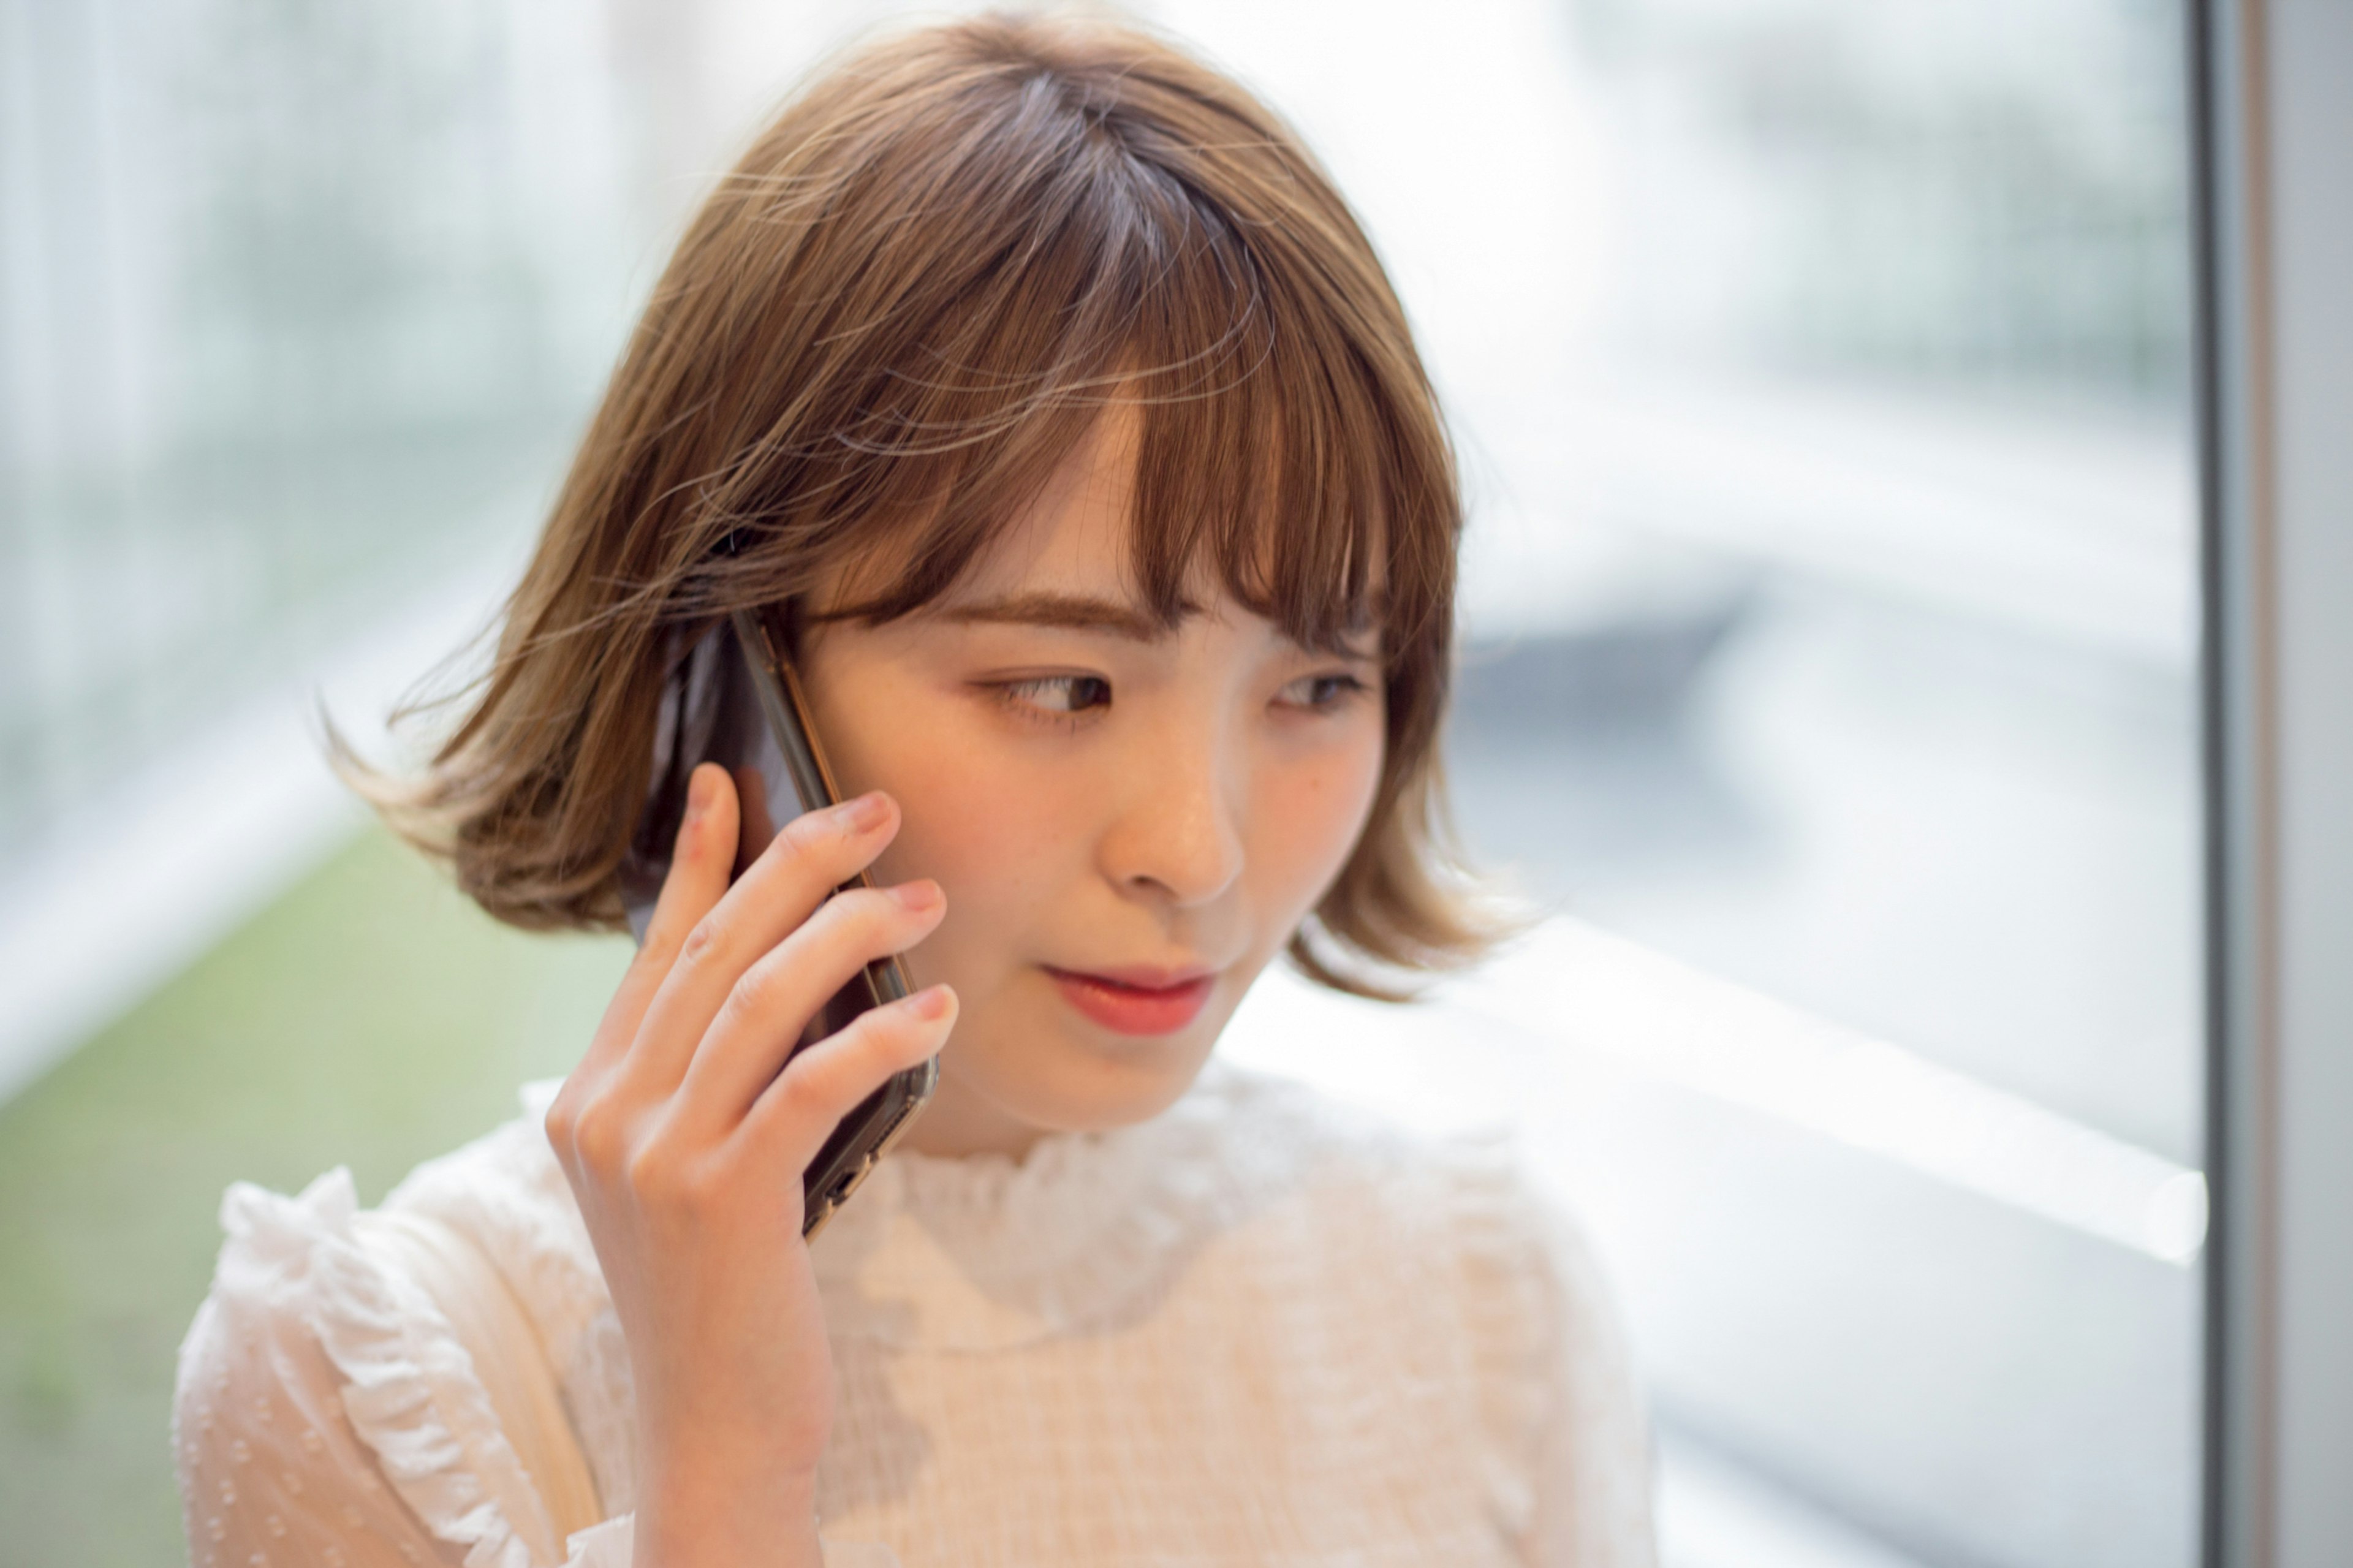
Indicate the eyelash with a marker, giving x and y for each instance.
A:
(1342, 688)
(1334, 688)
(1020, 696)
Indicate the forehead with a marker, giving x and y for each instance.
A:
(1083, 536)
(1078, 532)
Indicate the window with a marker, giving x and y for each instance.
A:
(1820, 369)
(300, 307)
(1822, 375)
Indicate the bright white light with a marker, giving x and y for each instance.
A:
(1601, 993)
(2175, 1224)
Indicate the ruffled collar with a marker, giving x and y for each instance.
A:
(1086, 1230)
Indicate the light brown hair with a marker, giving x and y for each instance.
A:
(883, 331)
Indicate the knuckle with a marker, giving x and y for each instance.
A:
(667, 1179)
(863, 918)
(817, 840)
(653, 959)
(893, 1036)
(752, 996)
(559, 1121)
(701, 1186)
(653, 1172)
(645, 1172)
(705, 942)
(880, 913)
(802, 1090)
(694, 847)
(596, 1135)
(808, 836)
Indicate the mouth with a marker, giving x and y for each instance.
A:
(1135, 1001)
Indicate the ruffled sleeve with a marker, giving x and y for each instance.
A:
(328, 1413)
(272, 1467)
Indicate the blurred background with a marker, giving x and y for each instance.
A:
(1821, 372)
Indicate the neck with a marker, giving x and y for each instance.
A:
(959, 1123)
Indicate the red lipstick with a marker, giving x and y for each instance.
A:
(1135, 1001)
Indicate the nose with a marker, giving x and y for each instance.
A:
(1175, 837)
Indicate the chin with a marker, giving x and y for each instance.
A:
(1064, 1075)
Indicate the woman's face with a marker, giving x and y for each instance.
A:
(1128, 823)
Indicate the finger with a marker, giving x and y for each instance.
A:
(815, 854)
(757, 1029)
(700, 856)
(796, 1114)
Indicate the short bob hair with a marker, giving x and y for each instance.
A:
(882, 332)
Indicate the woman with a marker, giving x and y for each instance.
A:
(1046, 378)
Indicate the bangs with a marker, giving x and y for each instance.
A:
(1259, 457)
(1286, 453)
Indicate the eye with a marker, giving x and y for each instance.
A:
(1321, 693)
(1058, 694)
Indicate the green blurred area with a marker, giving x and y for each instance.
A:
(370, 1018)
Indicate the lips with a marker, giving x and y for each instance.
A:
(1136, 1000)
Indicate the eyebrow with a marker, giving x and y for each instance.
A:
(1087, 613)
(1069, 612)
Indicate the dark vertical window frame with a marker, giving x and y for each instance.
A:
(2275, 242)
(2223, 53)
(2280, 231)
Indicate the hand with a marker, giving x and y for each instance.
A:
(685, 1131)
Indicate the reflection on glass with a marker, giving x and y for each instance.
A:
(1831, 621)
(301, 302)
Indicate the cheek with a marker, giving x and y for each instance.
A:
(972, 826)
(993, 834)
(1311, 810)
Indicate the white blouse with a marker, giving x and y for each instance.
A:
(1254, 1330)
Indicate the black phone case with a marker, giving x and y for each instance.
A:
(735, 700)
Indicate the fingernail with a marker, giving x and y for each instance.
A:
(698, 792)
(917, 897)
(932, 1001)
(865, 814)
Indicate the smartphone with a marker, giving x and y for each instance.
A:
(735, 700)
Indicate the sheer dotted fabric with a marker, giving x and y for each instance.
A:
(271, 1473)
(1251, 1331)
